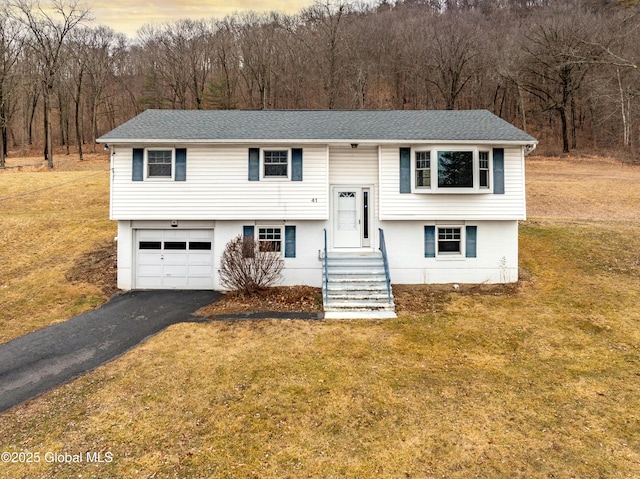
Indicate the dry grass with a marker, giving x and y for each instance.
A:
(594, 189)
(538, 381)
(50, 219)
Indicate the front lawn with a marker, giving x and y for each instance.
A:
(541, 380)
(50, 221)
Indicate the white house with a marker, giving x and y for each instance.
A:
(443, 190)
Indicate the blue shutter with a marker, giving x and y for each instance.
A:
(289, 241)
(247, 235)
(138, 164)
(247, 232)
(296, 164)
(181, 164)
(254, 164)
(405, 170)
(472, 235)
(498, 171)
(429, 241)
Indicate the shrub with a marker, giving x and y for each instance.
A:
(247, 266)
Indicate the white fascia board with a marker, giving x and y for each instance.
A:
(333, 141)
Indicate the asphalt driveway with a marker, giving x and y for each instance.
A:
(42, 360)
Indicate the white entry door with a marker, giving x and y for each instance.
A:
(347, 217)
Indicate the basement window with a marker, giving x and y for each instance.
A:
(270, 239)
(449, 241)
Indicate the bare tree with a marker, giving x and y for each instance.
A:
(539, 63)
(10, 45)
(222, 87)
(451, 55)
(48, 29)
(260, 50)
(619, 66)
(103, 48)
(550, 70)
(326, 20)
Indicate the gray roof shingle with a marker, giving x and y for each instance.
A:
(308, 125)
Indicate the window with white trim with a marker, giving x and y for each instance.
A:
(483, 169)
(452, 170)
(275, 163)
(455, 169)
(449, 241)
(159, 163)
(270, 238)
(423, 169)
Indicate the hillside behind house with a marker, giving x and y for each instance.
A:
(564, 71)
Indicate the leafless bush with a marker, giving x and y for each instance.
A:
(248, 266)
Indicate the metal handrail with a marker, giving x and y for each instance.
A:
(326, 269)
(383, 250)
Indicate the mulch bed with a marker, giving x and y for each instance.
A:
(277, 299)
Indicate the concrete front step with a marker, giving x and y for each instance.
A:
(354, 263)
(357, 287)
(359, 315)
(353, 272)
(355, 254)
(355, 306)
(348, 280)
(357, 300)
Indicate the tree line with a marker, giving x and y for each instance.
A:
(564, 70)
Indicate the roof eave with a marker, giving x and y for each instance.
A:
(124, 141)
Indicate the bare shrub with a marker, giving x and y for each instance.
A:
(249, 266)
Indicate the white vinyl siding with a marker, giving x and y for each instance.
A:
(355, 167)
(217, 187)
(496, 258)
(488, 206)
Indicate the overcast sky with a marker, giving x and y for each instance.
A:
(126, 16)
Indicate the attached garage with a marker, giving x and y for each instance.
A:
(173, 259)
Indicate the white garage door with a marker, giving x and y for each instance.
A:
(174, 259)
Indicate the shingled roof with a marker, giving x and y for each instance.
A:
(321, 125)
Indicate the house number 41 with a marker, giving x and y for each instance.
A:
(314, 200)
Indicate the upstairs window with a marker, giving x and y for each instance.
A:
(447, 170)
(455, 169)
(483, 167)
(159, 163)
(276, 164)
(423, 169)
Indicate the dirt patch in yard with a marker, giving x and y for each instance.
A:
(425, 298)
(99, 267)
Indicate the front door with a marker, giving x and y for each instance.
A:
(350, 210)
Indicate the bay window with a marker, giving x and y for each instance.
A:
(452, 170)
